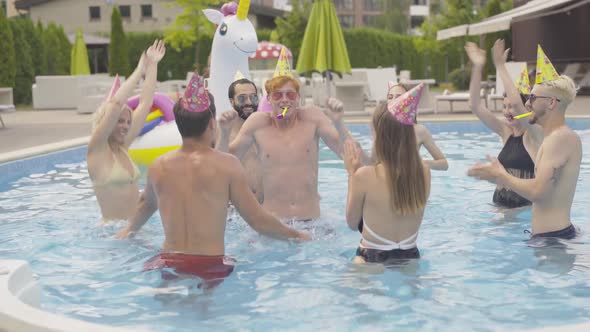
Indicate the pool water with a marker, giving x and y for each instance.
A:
(476, 272)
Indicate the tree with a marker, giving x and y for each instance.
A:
(65, 51)
(24, 66)
(394, 18)
(43, 67)
(495, 7)
(291, 28)
(37, 50)
(7, 57)
(189, 27)
(455, 12)
(57, 50)
(118, 48)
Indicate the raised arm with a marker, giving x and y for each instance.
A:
(499, 55)
(333, 132)
(478, 58)
(356, 184)
(245, 137)
(113, 109)
(440, 162)
(146, 207)
(153, 55)
(247, 205)
(225, 123)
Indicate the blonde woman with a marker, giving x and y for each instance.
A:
(521, 140)
(386, 200)
(113, 174)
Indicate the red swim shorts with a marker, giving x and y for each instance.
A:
(207, 268)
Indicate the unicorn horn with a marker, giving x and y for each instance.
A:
(243, 9)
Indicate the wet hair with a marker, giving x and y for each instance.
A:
(193, 124)
(524, 98)
(279, 81)
(231, 92)
(394, 146)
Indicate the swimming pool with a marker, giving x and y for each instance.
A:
(476, 273)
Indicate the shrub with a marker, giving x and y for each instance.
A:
(7, 57)
(460, 78)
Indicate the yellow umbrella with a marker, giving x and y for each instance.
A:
(79, 64)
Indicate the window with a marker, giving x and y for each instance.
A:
(343, 4)
(372, 5)
(416, 21)
(94, 13)
(125, 11)
(347, 21)
(146, 11)
(370, 20)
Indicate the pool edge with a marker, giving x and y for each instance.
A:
(42, 149)
(20, 304)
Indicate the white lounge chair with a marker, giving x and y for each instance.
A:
(6, 103)
(514, 69)
(350, 89)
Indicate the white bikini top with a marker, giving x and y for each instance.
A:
(388, 245)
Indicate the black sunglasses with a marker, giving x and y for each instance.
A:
(533, 96)
(242, 98)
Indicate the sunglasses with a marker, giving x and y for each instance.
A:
(533, 96)
(278, 95)
(389, 96)
(242, 98)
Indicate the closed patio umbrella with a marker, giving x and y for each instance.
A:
(79, 64)
(323, 49)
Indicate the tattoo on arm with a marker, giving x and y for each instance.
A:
(554, 176)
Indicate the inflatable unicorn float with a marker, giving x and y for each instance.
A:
(234, 41)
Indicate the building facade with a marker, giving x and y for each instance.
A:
(94, 16)
(364, 13)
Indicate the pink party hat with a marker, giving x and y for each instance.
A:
(404, 107)
(195, 97)
(115, 87)
(264, 105)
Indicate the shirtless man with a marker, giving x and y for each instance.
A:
(192, 187)
(288, 148)
(243, 96)
(557, 164)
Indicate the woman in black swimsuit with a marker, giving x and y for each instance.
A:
(521, 140)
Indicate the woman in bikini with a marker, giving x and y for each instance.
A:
(114, 176)
(423, 136)
(521, 140)
(386, 200)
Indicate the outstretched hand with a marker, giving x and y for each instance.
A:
(156, 52)
(491, 171)
(475, 54)
(499, 53)
(352, 156)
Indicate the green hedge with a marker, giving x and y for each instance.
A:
(367, 48)
(175, 64)
(371, 48)
(7, 57)
(25, 71)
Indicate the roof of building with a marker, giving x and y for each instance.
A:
(26, 4)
